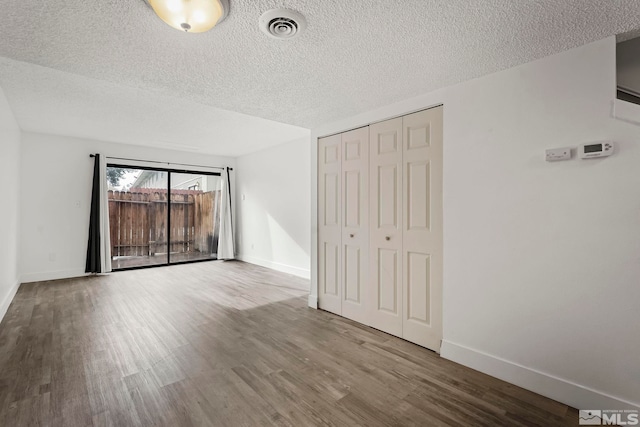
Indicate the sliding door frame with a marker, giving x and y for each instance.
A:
(168, 228)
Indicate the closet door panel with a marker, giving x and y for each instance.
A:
(422, 231)
(387, 283)
(385, 196)
(355, 220)
(330, 224)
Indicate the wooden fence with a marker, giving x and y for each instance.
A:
(138, 222)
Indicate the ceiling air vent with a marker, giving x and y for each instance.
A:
(282, 23)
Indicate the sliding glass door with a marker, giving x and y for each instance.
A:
(193, 217)
(160, 216)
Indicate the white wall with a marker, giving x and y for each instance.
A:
(541, 260)
(56, 194)
(10, 206)
(274, 217)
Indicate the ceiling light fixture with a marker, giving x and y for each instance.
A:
(193, 16)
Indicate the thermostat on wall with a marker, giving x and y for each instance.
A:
(596, 149)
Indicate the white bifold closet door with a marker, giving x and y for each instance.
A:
(355, 223)
(343, 267)
(385, 197)
(330, 224)
(380, 226)
(422, 228)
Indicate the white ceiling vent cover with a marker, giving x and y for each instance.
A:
(282, 23)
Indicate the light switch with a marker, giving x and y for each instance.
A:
(557, 154)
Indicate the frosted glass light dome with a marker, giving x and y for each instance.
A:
(193, 16)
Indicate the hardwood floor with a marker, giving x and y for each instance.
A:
(228, 344)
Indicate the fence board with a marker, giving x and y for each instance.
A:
(203, 222)
(138, 222)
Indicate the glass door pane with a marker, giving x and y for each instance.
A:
(137, 217)
(194, 216)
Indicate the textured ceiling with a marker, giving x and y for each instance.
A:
(354, 56)
(55, 102)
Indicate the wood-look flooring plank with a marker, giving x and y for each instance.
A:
(228, 344)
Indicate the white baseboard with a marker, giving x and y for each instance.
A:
(313, 301)
(52, 275)
(6, 301)
(284, 268)
(559, 389)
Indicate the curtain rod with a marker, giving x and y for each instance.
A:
(162, 163)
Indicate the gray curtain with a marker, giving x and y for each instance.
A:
(226, 249)
(99, 245)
